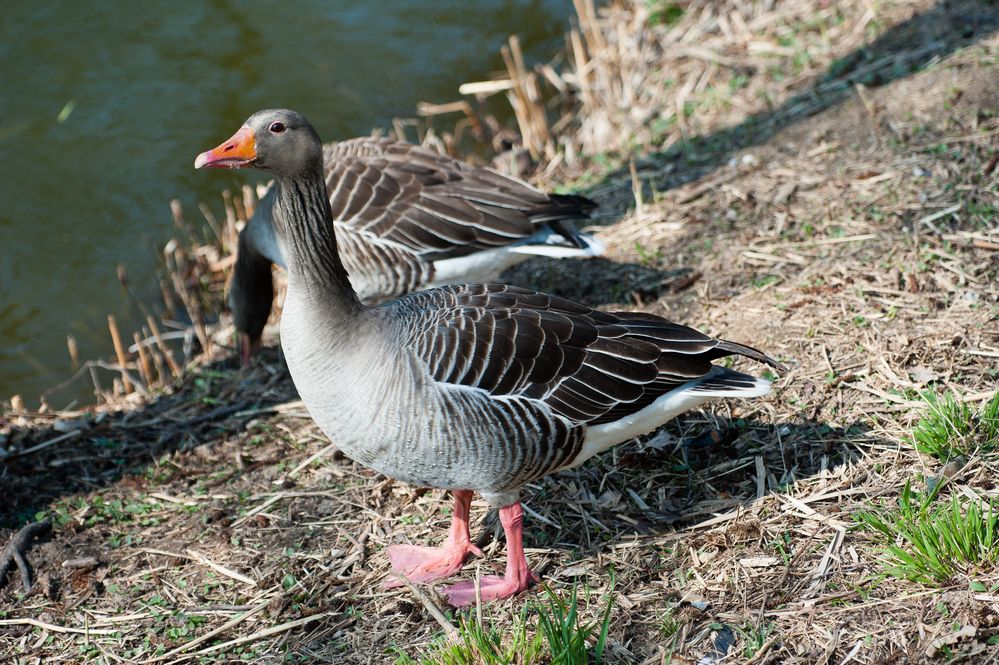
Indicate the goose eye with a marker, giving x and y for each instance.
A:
(277, 127)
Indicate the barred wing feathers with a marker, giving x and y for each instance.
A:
(588, 366)
(397, 193)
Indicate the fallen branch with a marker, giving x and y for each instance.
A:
(17, 549)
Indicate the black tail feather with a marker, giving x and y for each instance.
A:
(727, 348)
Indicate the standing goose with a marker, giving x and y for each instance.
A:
(408, 218)
(469, 388)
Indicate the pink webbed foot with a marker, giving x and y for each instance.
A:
(518, 574)
(491, 587)
(426, 564)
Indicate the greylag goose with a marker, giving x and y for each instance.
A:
(469, 388)
(408, 218)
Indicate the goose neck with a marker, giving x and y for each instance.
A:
(306, 224)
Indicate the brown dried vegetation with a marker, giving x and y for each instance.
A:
(815, 178)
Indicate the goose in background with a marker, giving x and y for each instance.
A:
(468, 388)
(408, 218)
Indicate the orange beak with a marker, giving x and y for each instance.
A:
(235, 153)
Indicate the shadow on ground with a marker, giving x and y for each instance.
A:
(214, 404)
(901, 51)
(53, 458)
(687, 472)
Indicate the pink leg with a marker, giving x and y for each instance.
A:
(247, 349)
(518, 575)
(425, 564)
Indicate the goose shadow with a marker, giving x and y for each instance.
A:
(41, 464)
(51, 457)
(599, 282)
(693, 469)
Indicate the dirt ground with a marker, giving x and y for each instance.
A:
(858, 242)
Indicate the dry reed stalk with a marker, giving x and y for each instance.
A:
(74, 352)
(145, 369)
(636, 187)
(96, 382)
(119, 351)
(191, 304)
(157, 355)
(237, 204)
(471, 119)
(177, 211)
(249, 201)
(485, 87)
(525, 98)
(213, 223)
(161, 345)
(230, 211)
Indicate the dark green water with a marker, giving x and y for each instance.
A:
(105, 105)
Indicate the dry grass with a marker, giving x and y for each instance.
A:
(849, 229)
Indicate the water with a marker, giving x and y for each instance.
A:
(105, 105)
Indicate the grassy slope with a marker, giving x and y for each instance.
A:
(844, 242)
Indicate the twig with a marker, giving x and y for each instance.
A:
(119, 351)
(51, 627)
(16, 550)
(431, 606)
(210, 634)
(219, 568)
(261, 634)
(42, 445)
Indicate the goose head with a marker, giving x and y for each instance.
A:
(279, 141)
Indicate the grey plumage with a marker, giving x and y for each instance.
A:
(405, 218)
(488, 387)
(478, 387)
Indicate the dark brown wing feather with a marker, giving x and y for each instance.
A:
(587, 365)
(434, 205)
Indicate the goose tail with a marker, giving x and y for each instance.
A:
(560, 241)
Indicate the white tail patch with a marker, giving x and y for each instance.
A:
(486, 266)
(683, 398)
(557, 246)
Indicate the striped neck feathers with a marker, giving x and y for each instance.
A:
(306, 225)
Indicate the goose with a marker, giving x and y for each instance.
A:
(408, 218)
(467, 387)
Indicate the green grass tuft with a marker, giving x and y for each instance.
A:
(560, 638)
(479, 645)
(566, 637)
(950, 428)
(932, 542)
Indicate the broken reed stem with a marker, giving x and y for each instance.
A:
(249, 201)
(193, 310)
(145, 369)
(119, 351)
(213, 223)
(74, 352)
(237, 203)
(98, 388)
(516, 98)
(157, 355)
(636, 187)
(168, 301)
(164, 349)
(181, 222)
(230, 212)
